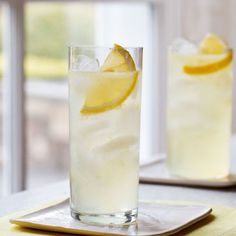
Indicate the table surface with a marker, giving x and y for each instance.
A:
(30, 199)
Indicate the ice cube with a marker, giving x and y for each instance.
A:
(85, 63)
(183, 46)
(117, 144)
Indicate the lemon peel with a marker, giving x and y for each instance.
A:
(209, 68)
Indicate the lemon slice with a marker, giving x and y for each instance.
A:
(119, 59)
(212, 44)
(209, 68)
(113, 84)
(110, 90)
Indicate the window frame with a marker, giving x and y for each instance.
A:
(14, 169)
(14, 142)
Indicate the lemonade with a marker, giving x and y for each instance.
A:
(199, 109)
(104, 134)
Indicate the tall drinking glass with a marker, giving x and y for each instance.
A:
(105, 96)
(199, 108)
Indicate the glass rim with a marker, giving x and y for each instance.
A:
(100, 47)
(227, 50)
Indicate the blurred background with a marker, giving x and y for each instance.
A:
(34, 37)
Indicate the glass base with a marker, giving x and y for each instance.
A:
(200, 177)
(121, 218)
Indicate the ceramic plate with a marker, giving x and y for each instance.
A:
(153, 219)
(155, 171)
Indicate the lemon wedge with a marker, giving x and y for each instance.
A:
(212, 44)
(209, 68)
(113, 84)
(119, 59)
(110, 90)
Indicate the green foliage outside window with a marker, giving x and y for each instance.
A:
(50, 29)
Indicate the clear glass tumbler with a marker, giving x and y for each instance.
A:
(199, 108)
(104, 101)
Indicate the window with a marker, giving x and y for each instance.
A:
(49, 28)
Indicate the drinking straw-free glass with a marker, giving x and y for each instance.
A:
(199, 108)
(105, 96)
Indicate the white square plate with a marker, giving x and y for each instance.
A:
(156, 171)
(154, 219)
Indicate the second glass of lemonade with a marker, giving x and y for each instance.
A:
(199, 108)
(105, 96)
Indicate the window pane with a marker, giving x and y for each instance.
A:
(50, 28)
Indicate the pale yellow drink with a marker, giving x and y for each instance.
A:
(199, 113)
(104, 148)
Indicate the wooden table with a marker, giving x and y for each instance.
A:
(33, 198)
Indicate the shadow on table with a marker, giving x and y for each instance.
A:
(196, 226)
(19, 229)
